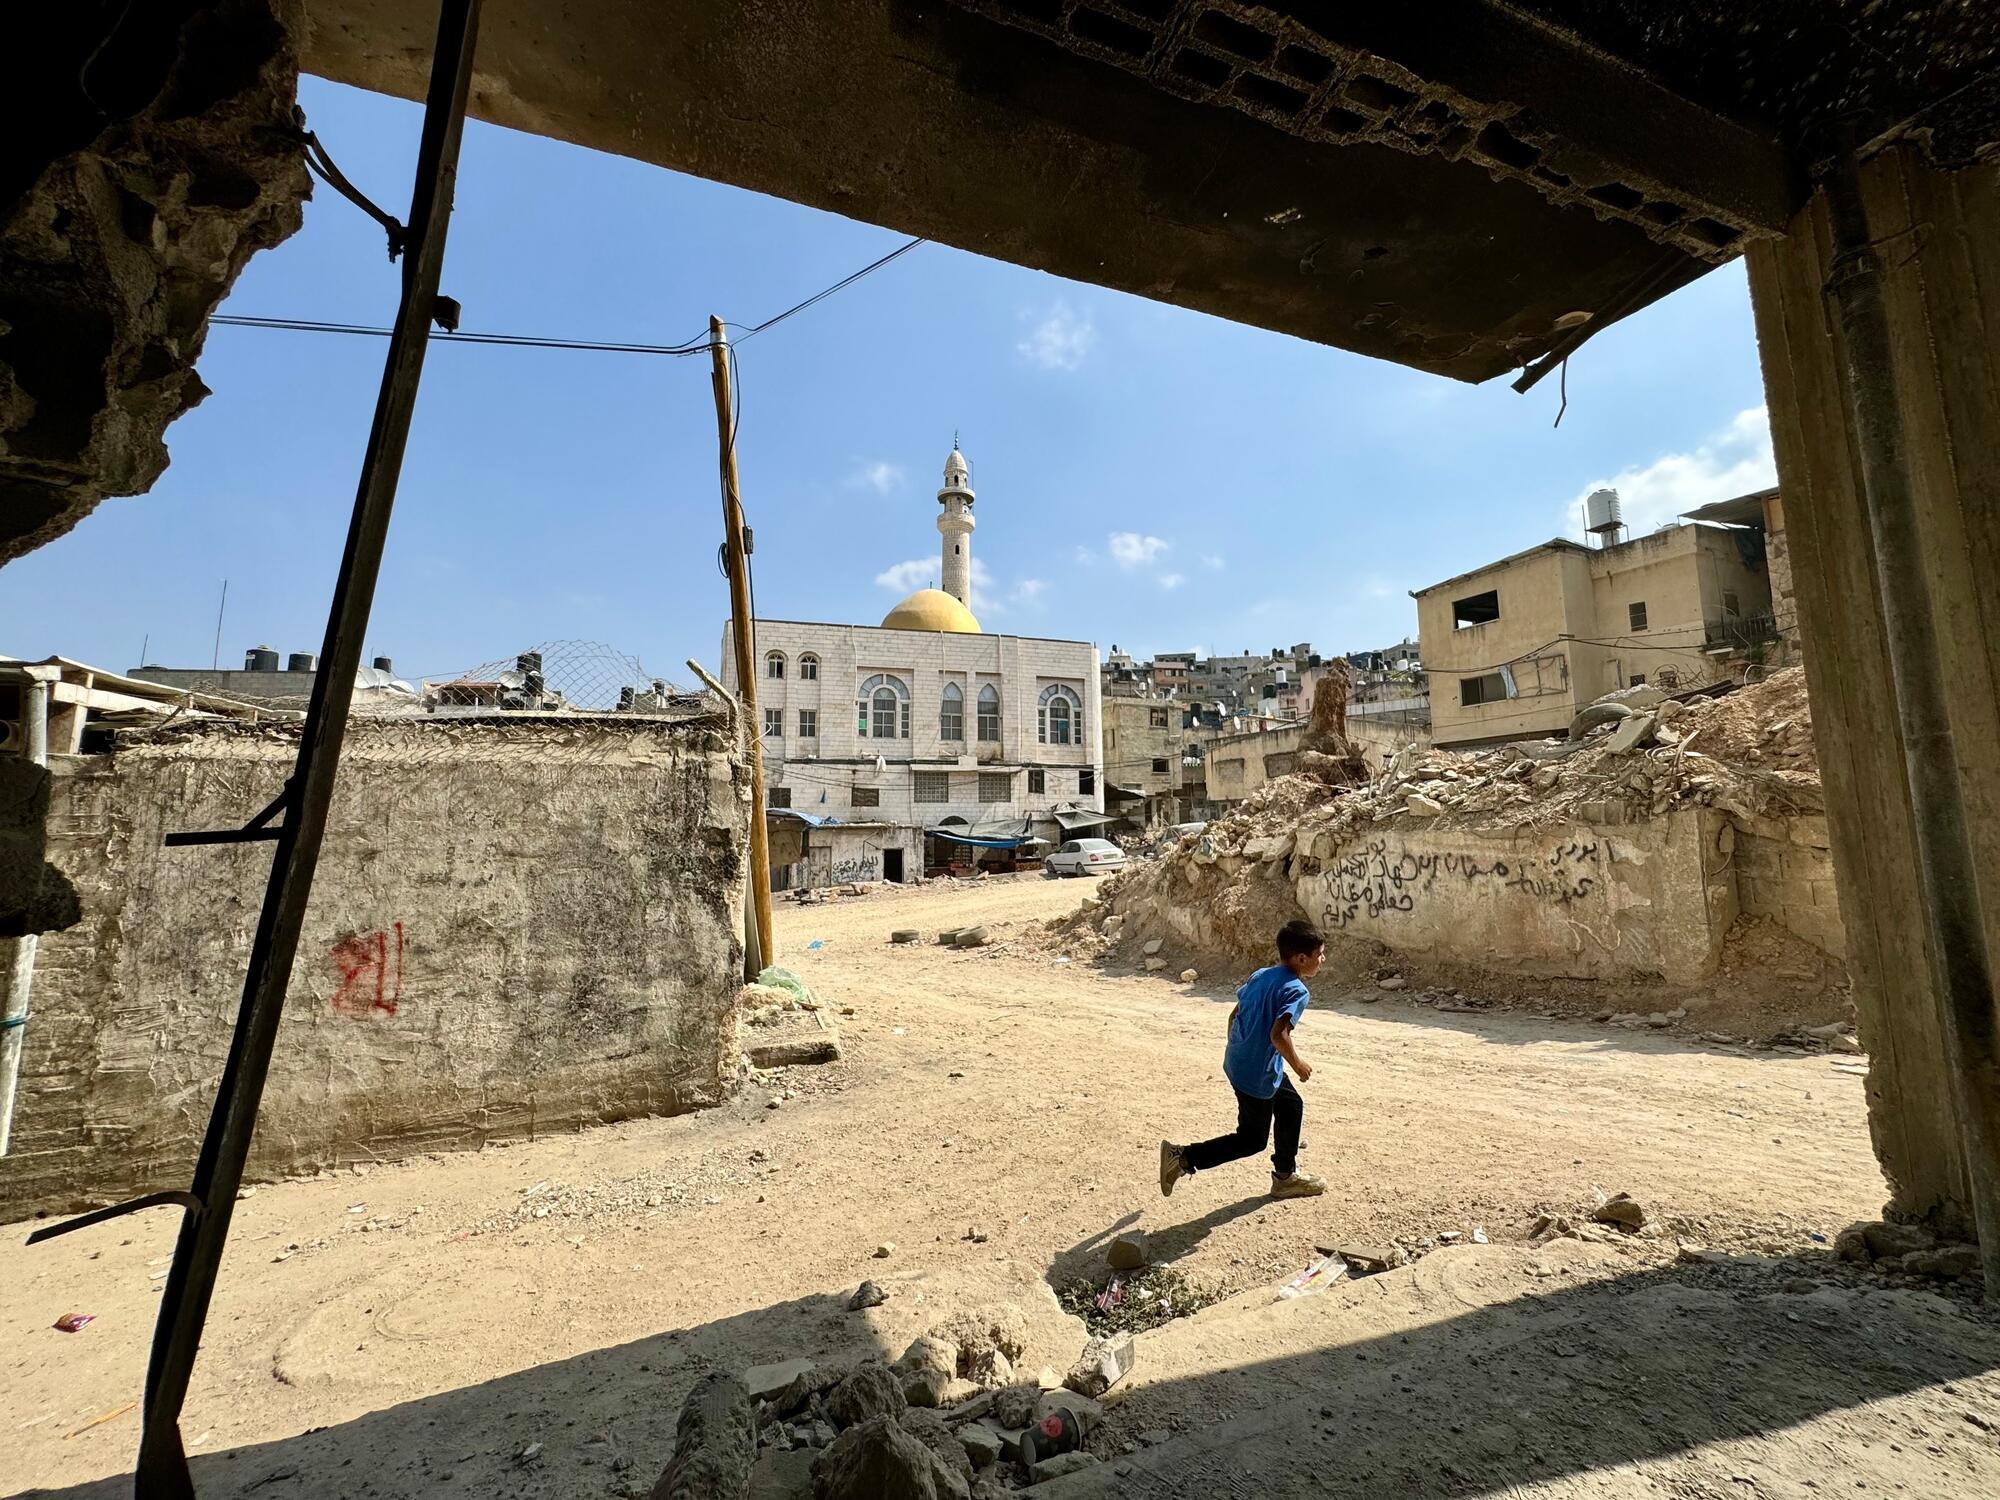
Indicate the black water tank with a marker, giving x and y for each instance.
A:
(260, 659)
(383, 664)
(302, 661)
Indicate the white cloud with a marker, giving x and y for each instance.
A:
(877, 474)
(1171, 581)
(1029, 589)
(1061, 340)
(1214, 560)
(905, 577)
(1129, 549)
(1731, 462)
(1085, 557)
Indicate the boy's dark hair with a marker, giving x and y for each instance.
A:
(1297, 938)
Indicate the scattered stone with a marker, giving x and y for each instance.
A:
(1153, 945)
(884, 1250)
(1623, 1211)
(989, 1368)
(1128, 1252)
(1886, 1239)
(1156, 1437)
(1189, 976)
(715, 1442)
(1421, 806)
(1154, 965)
(1851, 1244)
(981, 1444)
(1945, 1262)
(927, 1367)
(1393, 982)
(1102, 1365)
(1633, 732)
(871, 1390)
(1602, 1016)
(785, 1385)
(877, 1460)
(1659, 1019)
(928, 1428)
(1061, 1464)
(1364, 1260)
(906, 935)
(868, 1294)
(1114, 924)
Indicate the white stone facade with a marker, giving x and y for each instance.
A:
(1016, 762)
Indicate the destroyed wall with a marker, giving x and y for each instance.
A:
(515, 928)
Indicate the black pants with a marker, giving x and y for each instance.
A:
(1254, 1121)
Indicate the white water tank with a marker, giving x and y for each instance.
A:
(1603, 511)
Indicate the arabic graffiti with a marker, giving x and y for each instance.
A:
(1375, 881)
(856, 870)
(369, 968)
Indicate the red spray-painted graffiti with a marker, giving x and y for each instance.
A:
(369, 967)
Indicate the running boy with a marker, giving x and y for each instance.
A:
(1268, 1006)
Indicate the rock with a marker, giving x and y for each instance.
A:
(884, 1250)
(1393, 982)
(1153, 945)
(1851, 1244)
(981, 1444)
(927, 1367)
(1154, 965)
(1945, 1262)
(928, 1428)
(1087, 1414)
(906, 935)
(1422, 806)
(1114, 924)
(1001, 1326)
(1189, 976)
(1128, 1252)
(1155, 1437)
(715, 1442)
(1103, 1364)
(1896, 1239)
(1363, 1260)
(1602, 1016)
(777, 1476)
(990, 1368)
(1659, 1019)
(870, 1390)
(1014, 1407)
(1623, 1211)
(1633, 732)
(1061, 1464)
(868, 1294)
(877, 1460)
(785, 1385)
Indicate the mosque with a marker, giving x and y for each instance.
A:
(924, 743)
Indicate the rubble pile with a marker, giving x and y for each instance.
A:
(1638, 755)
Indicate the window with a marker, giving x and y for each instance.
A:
(1638, 679)
(774, 664)
(1038, 782)
(1730, 604)
(774, 723)
(989, 714)
(866, 796)
(996, 786)
(1059, 718)
(1491, 688)
(951, 713)
(1156, 718)
(1086, 781)
(882, 709)
(1636, 613)
(808, 723)
(1480, 609)
(933, 786)
(1159, 765)
(777, 796)
(808, 668)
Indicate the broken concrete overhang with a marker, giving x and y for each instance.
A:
(1438, 229)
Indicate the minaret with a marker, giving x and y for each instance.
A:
(955, 523)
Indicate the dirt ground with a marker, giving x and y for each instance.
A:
(415, 1330)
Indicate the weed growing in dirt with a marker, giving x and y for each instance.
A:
(1132, 1304)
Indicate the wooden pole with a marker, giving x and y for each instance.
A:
(734, 560)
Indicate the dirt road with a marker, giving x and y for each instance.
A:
(563, 1291)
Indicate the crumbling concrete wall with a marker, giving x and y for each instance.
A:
(1784, 871)
(152, 150)
(514, 928)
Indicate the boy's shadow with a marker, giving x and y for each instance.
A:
(1084, 1261)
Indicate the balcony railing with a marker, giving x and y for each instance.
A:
(1741, 632)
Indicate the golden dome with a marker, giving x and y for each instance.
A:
(931, 609)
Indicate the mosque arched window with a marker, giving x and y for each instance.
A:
(882, 709)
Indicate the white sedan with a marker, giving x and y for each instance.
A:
(1085, 857)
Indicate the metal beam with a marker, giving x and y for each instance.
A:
(162, 1472)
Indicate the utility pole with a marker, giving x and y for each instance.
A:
(757, 930)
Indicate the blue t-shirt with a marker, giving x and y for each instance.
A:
(1250, 1062)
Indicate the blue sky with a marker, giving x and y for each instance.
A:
(1147, 476)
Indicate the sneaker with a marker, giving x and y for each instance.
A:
(1298, 1185)
(1173, 1167)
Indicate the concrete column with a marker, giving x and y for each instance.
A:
(1936, 235)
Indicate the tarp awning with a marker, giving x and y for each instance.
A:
(811, 820)
(978, 841)
(1069, 820)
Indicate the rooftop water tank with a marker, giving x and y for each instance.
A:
(1603, 511)
(383, 664)
(302, 661)
(260, 659)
